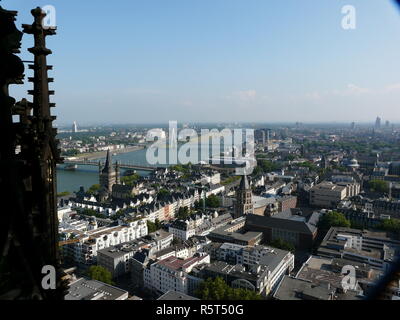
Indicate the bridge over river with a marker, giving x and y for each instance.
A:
(73, 164)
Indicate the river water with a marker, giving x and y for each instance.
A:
(86, 176)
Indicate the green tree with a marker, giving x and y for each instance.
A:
(181, 168)
(290, 157)
(333, 219)
(101, 274)
(94, 189)
(391, 225)
(378, 186)
(63, 194)
(311, 166)
(267, 166)
(70, 153)
(231, 179)
(213, 201)
(131, 179)
(183, 213)
(91, 212)
(284, 245)
(217, 289)
(163, 193)
(153, 226)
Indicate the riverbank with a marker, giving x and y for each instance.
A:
(103, 154)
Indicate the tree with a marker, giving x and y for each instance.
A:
(378, 186)
(183, 213)
(290, 157)
(153, 226)
(333, 219)
(283, 245)
(163, 193)
(181, 168)
(94, 189)
(213, 201)
(70, 153)
(311, 166)
(232, 179)
(91, 212)
(101, 274)
(63, 194)
(131, 179)
(267, 166)
(391, 225)
(217, 289)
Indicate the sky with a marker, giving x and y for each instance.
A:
(146, 61)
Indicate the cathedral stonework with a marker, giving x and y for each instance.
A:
(244, 199)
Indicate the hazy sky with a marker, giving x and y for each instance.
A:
(136, 61)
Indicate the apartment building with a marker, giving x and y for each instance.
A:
(118, 259)
(84, 246)
(328, 194)
(172, 274)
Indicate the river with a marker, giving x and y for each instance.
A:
(86, 176)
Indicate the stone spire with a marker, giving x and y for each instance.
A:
(108, 176)
(244, 183)
(30, 181)
(107, 165)
(244, 199)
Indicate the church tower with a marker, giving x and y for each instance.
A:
(244, 199)
(108, 175)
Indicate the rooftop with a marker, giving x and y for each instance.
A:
(298, 289)
(176, 296)
(84, 289)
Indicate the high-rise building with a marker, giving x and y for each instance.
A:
(378, 123)
(324, 162)
(244, 199)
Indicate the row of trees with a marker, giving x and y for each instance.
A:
(91, 213)
(217, 289)
(337, 219)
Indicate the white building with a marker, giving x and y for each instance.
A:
(173, 274)
(83, 248)
(279, 263)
